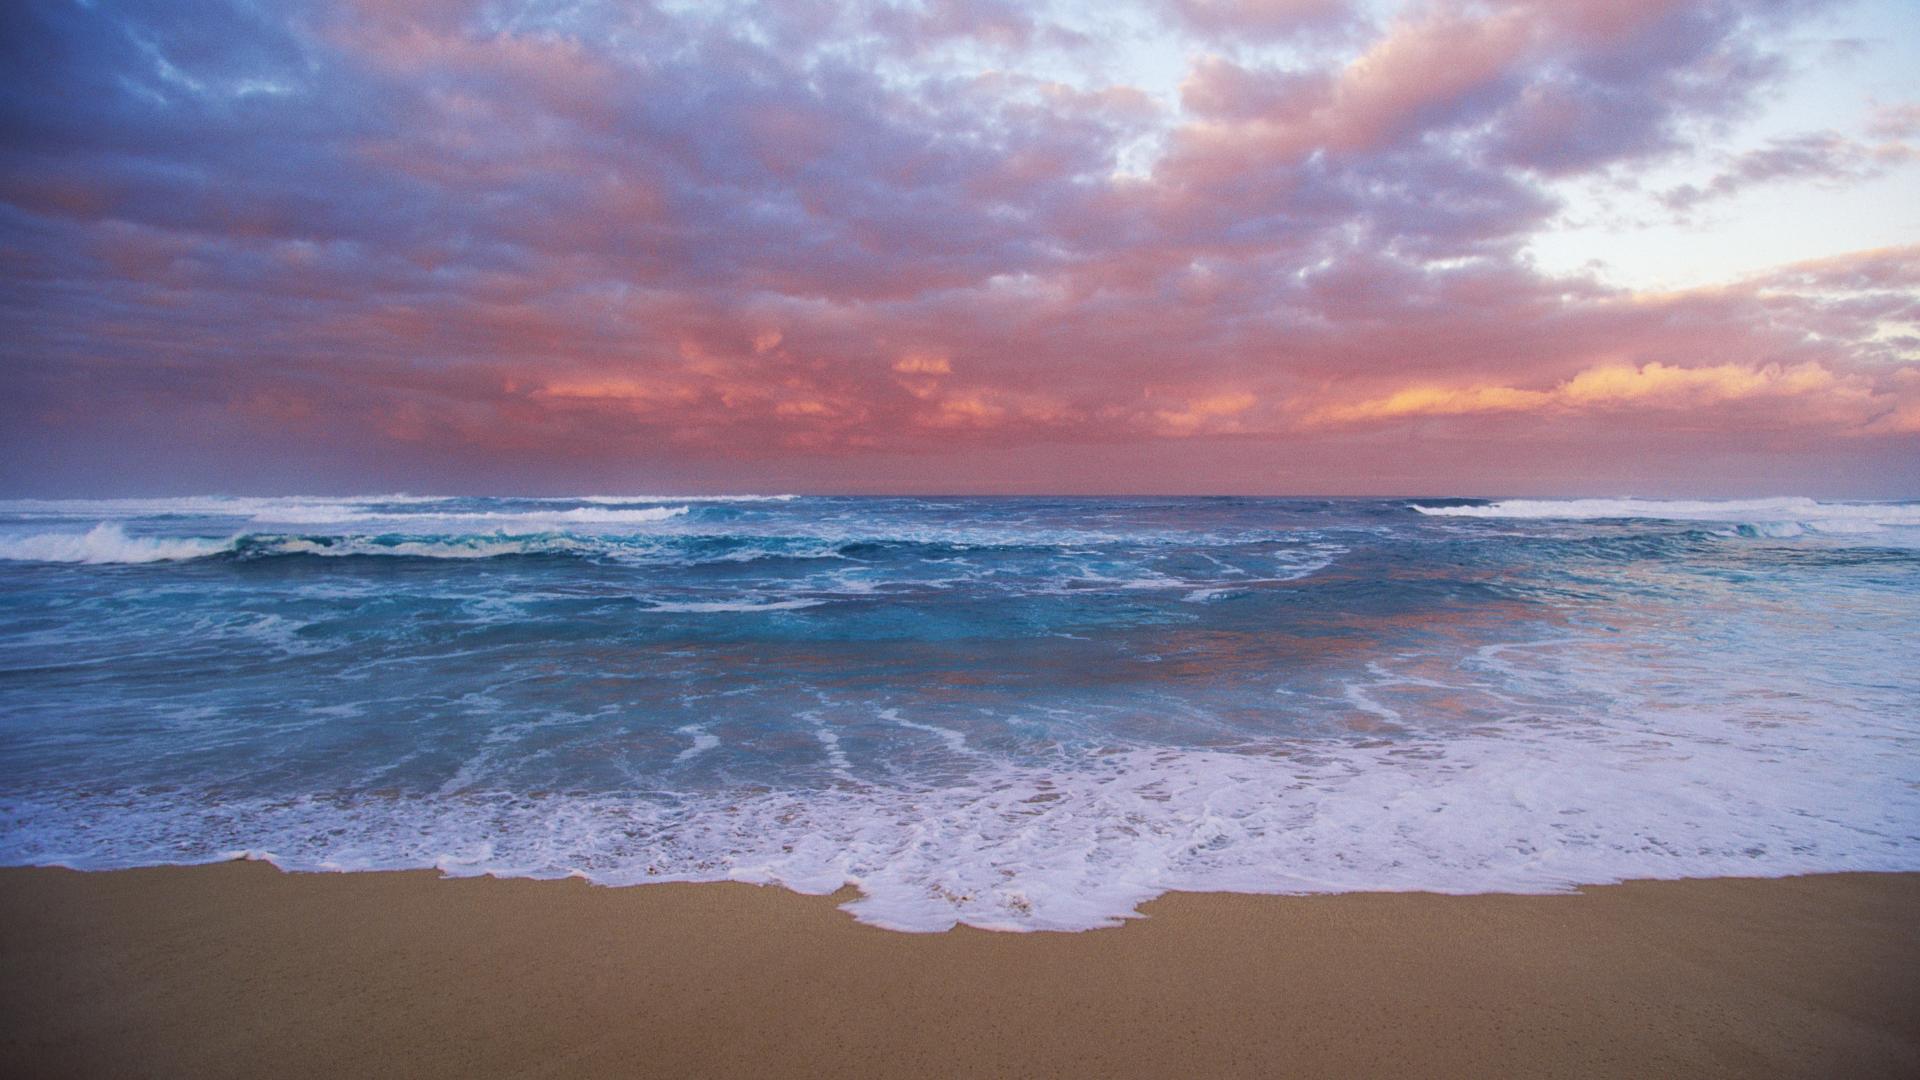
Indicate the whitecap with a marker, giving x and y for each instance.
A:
(330, 514)
(289, 508)
(1778, 518)
(1793, 508)
(107, 542)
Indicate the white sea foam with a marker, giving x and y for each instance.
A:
(346, 514)
(714, 606)
(955, 741)
(702, 742)
(1082, 844)
(584, 515)
(107, 542)
(829, 741)
(1786, 516)
(1592, 779)
(310, 514)
(1663, 786)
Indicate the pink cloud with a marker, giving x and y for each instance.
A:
(1813, 393)
(609, 237)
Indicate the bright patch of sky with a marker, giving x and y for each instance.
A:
(1865, 56)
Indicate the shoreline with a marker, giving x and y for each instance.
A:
(238, 968)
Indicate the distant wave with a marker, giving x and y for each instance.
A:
(623, 500)
(108, 543)
(504, 534)
(245, 506)
(1785, 516)
(585, 515)
(326, 509)
(451, 547)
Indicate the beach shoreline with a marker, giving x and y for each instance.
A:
(239, 969)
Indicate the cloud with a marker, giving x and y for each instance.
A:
(1212, 413)
(465, 238)
(923, 364)
(1654, 385)
(1895, 121)
(1823, 156)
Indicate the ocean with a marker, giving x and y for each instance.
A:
(1011, 713)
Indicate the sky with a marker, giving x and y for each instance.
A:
(1518, 247)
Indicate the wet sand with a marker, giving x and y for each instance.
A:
(240, 970)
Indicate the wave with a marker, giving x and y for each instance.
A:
(907, 558)
(625, 500)
(316, 514)
(328, 509)
(585, 515)
(1783, 517)
(1080, 843)
(451, 547)
(239, 506)
(108, 543)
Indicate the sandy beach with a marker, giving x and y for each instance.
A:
(241, 970)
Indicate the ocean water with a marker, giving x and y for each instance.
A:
(1010, 713)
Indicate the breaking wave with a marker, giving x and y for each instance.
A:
(107, 542)
(1777, 517)
(331, 510)
(584, 515)
(1081, 844)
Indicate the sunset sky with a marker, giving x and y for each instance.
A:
(1263, 246)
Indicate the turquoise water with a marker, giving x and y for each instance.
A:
(1011, 713)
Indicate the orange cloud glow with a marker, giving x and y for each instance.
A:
(1652, 385)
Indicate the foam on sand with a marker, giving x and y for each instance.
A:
(1026, 848)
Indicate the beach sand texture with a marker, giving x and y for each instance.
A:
(241, 970)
